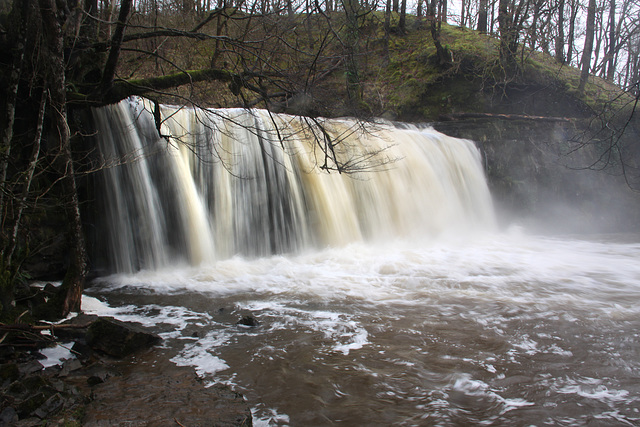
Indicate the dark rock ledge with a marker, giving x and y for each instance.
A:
(117, 378)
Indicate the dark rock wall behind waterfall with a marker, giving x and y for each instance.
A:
(539, 181)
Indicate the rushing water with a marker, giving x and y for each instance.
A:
(503, 330)
(385, 300)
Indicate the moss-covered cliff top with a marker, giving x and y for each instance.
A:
(418, 87)
(401, 76)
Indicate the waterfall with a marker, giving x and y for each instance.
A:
(222, 182)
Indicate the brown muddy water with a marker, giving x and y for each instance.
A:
(503, 329)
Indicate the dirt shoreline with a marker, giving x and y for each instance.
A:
(93, 389)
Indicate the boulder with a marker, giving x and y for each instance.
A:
(118, 339)
(248, 320)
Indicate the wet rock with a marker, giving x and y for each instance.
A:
(7, 353)
(27, 386)
(94, 380)
(159, 393)
(29, 422)
(76, 327)
(30, 367)
(118, 339)
(81, 320)
(35, 399)
(88, 390)
(8, 416)
(82, 350)
(70, 366)
(98, 374)
(248, 320)
(9, 372)
(52, 405)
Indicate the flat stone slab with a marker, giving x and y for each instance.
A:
(152, 391)
(119, 339)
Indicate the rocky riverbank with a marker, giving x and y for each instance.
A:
(114, 374)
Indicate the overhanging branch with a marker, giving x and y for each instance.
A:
(125, 88)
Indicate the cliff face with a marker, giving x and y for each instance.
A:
(540, 178)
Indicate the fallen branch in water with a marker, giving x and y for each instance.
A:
(26, 335)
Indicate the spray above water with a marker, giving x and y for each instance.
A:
(227, 182)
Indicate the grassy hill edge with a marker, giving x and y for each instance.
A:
(400, 74)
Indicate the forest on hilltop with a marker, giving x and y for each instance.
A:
(314, 58)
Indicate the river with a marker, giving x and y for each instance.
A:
(506, 329)
(384, 297)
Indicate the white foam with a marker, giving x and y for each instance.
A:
(464, 383)
(56, 355)
(514, 270)
(268, 417)
(357, 341)
(92, 305)
(597, 392)
(199, 356)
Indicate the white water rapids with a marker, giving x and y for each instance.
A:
(384, 298)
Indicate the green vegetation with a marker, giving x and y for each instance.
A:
(401, 76)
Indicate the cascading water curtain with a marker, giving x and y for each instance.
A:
(225, 182)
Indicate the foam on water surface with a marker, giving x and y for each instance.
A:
(496, 328)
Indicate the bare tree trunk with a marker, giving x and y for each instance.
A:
(434, 26)
(572, 29)
(611, 50)
(626, 4)
(493, 17)
(354, 87)
(116, 43)
(598, 37)
(109, 19)
(533, 28)
(69, 297)
(482, 16)
(28, 177)
(21, 12)
(402, 24)
(508, 37)
(588, 45)
(387, 29)
(560, 36)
